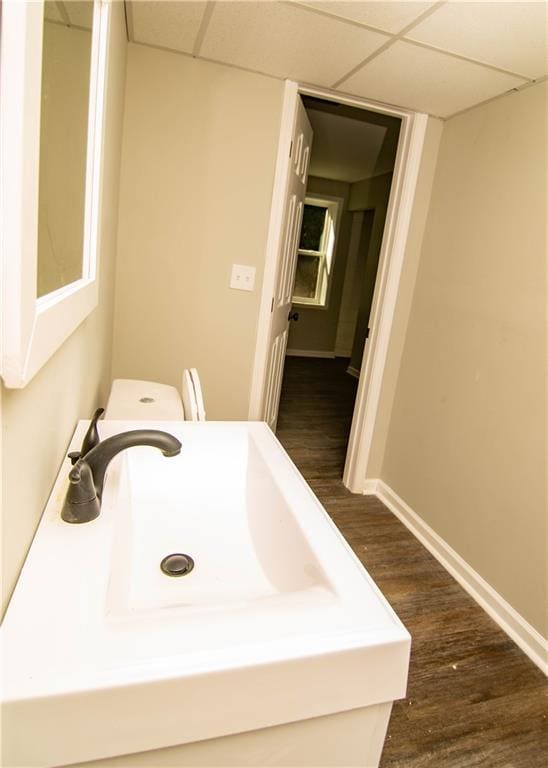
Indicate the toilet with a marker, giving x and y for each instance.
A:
(137, 400)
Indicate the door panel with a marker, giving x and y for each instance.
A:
(277, 356)
(281, 291)
(301, 146)
(293, 234)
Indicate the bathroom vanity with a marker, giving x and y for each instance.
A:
(275, 648)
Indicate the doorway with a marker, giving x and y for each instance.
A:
(352, 160)
(385, 294)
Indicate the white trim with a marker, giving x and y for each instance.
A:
(514, 625)
(353, 371)
(370, 487)
(402, 193)
(309, 353)
(289, 108)
(385, 298)
(33, 329)
(354, 101)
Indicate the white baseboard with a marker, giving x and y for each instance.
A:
(353, 371)
(531, 642)
(309, 353)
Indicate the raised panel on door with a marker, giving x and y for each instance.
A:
(287, 261)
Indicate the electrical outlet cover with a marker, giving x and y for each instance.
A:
(242, 277)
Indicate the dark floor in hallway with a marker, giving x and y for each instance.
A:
(474, 699)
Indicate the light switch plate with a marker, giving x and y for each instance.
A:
(242, 277)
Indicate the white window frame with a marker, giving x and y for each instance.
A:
(326, 254)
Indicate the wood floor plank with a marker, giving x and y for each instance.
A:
(474, 699)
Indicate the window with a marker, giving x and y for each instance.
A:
(316, 252)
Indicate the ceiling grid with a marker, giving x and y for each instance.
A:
(441, 58)
(389, 43)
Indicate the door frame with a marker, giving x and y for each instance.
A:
(391, 260)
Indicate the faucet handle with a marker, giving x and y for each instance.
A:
(74, 456)
(91, 438)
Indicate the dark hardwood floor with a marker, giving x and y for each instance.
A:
(474, 699)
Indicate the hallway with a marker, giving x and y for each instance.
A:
(316, 407)
(474, 699)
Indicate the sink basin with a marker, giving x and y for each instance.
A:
(104, 654)
(227, 513)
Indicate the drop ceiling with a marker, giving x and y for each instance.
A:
(435, 57)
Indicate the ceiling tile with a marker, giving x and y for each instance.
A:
(388, 16)
(427, 81)
(167, 24)
(509, 35)
(286, 41)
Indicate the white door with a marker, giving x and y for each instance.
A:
(301, 146)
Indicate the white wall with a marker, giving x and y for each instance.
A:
(38, 421)
(198, 162)
(466, 446)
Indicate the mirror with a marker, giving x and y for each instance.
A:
(52, 86)
(66, 63)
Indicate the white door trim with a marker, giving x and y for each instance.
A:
(390, 267)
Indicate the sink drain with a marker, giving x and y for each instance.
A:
(177, 564)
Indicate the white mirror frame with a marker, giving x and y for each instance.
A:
(34, 328)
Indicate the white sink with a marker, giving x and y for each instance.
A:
(221, 505)
(104, 654)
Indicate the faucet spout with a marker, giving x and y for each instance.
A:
(100, 457)
(87, 477)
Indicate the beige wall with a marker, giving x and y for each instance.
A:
(466, 444)
(198, 162)
(38, 421)
(417, 224)
(350, 298)
(316, 328)
(369, 194)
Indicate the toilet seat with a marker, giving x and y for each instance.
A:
(198, 392)
(193, 402)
